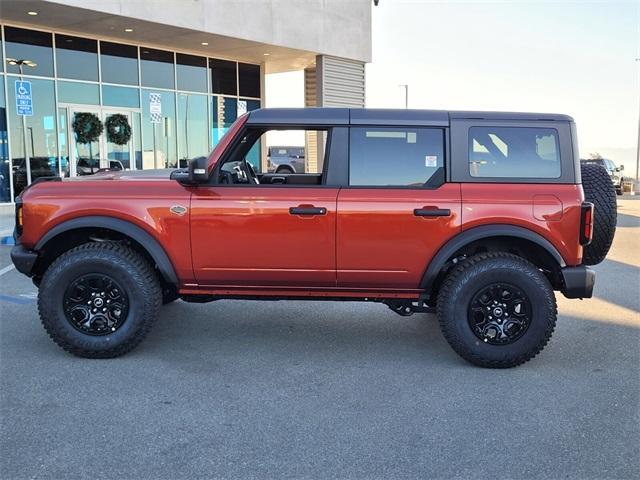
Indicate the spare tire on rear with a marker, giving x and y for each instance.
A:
(599, 190)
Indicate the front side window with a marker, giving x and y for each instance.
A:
(407, 157)
(290, 157)
(514, 152)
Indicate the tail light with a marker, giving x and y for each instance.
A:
(586, 223)
(18, 216)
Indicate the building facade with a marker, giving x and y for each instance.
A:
(87, 85)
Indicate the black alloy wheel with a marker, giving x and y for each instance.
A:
(95, 304)
(499, 314)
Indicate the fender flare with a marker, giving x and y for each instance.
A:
(478, 233)
(148, 242)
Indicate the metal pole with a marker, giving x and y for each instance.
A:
(406, 95)
(638, 144)
(27, 160)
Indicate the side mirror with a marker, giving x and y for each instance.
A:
(196, 173)
(621, 168)
(198, 170)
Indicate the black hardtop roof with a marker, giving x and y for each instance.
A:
(374, 116)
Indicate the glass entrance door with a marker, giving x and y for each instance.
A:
(112, 149)
(117, 142)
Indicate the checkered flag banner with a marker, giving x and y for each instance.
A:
(155, 107)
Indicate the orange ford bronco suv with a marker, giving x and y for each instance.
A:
(475, 216)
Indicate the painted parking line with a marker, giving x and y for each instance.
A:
(7, 269)
(17, 300)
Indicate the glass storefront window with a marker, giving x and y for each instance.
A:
(39, 133)
(120, 96)
(249, 80)
(223, 77)
(77, 58)
(191, 72)
(5, 181)
(156, 67)
(159, 129)
(32, 45)
(78, 92)
(119, 63)
(193, 137)
(224, 111)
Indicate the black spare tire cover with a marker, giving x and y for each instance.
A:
(599, 190)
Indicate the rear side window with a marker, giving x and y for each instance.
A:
(394, 156)
(514, 152)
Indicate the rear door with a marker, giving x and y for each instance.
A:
(397, 210)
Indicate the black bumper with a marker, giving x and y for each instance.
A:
(577, 282)
(23, 259)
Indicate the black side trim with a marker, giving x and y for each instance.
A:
(149, 243)
(478, 233)
(578, 282)
(23, 259)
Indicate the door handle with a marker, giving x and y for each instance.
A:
(432, 212)
(311, 210)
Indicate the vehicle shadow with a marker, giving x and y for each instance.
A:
(615, 282)
(625, 220)
(298, 330)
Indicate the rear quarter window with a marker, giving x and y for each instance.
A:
(514, 152)
(406, 157)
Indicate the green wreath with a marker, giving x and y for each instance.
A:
(87, 127)
(118, 129)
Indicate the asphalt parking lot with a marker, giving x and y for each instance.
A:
(241, 389)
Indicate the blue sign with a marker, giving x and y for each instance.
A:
(24, 100)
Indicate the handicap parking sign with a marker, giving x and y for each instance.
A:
(24, 100)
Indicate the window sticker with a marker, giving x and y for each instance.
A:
(411, 137)
(431, 161)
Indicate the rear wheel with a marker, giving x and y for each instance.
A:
(99, 300)
(496, 310)
(599, 190)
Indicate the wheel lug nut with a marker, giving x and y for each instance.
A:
(104, 309)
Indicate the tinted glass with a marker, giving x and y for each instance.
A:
(159, 129)
(193, 129)
(22, 44)
(249, 80)
(156, 67)
(77, 57)
(40, 134)
(119, 63)
(191, 73)
(78, 92)
(5, 192)
(394, 156)
(224, 112)
(120, 96)
(223, 77)
(516, 152)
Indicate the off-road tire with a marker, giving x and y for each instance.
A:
(284, 170)
(599, 190)
(130, 269)
(472, 275)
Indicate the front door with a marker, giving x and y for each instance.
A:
(264, 236)
(112, 150)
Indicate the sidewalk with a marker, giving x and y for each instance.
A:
(7, 222)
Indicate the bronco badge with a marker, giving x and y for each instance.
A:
(178, 210)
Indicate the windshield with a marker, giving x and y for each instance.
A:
(224, 142)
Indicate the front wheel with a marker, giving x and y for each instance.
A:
(496, 310)
(99, 300)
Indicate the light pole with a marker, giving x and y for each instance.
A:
(638, 144)
(27, 161)
(406, 95)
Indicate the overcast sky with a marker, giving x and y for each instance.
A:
(574, 57)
